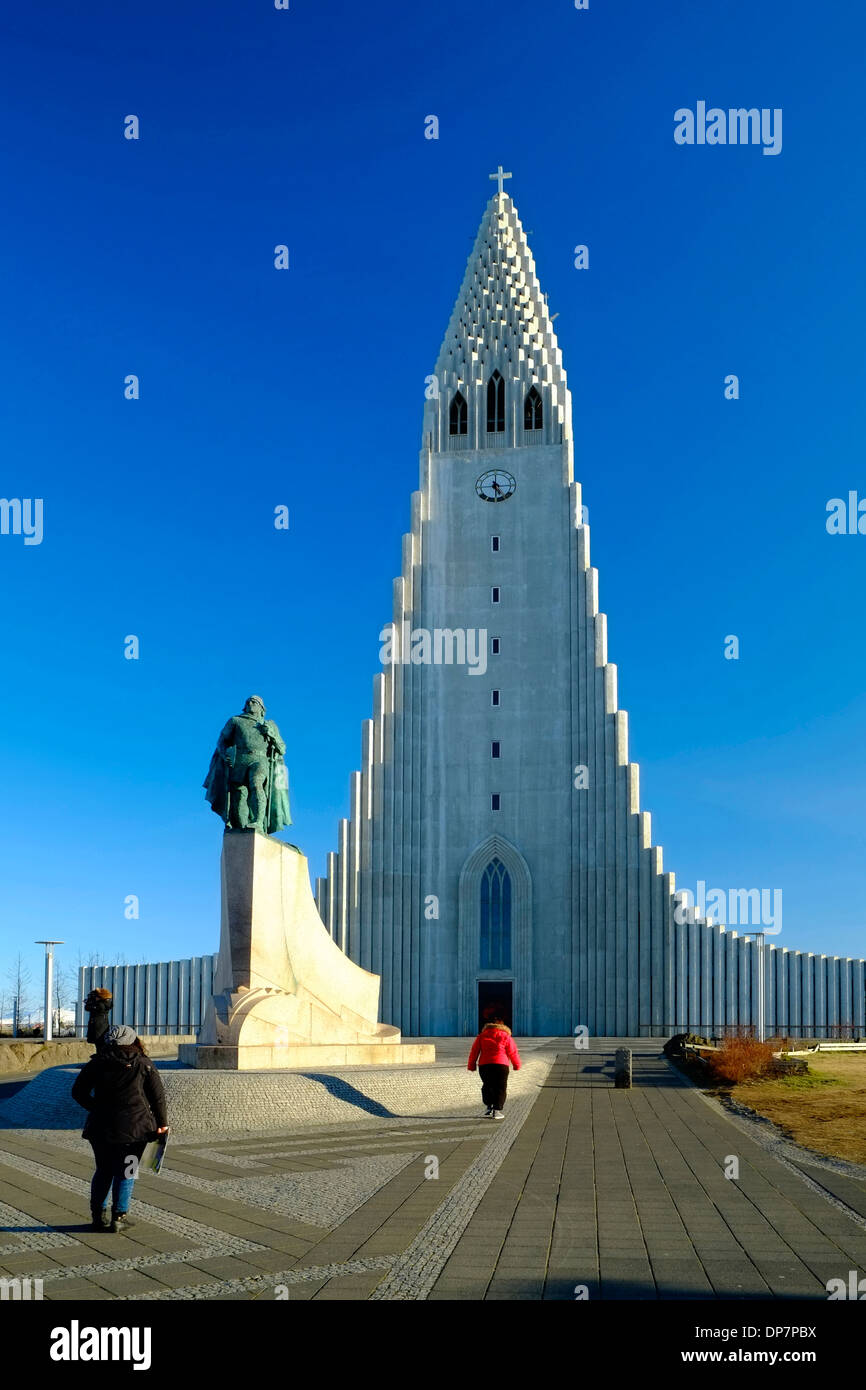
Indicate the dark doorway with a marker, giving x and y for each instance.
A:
(494, 1001)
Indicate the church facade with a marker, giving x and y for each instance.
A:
(496, 854)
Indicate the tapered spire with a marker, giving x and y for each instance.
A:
(500, 322)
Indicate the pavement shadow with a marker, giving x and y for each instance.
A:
(9, 1088)
(71, 1229)
(342, 1090)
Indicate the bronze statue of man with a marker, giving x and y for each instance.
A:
(247, 782)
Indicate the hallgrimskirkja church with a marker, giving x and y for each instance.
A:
(496, 853)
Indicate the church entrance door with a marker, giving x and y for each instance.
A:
(494, 1001)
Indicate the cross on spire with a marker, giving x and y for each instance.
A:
(501, 176)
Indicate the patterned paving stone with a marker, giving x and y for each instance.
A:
(623, 1192)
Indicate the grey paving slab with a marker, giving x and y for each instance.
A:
(622, 1191)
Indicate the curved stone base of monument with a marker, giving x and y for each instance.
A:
(285, 995)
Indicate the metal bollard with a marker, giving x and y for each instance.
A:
(622, 1068)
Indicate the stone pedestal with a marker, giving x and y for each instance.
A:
(285, 995)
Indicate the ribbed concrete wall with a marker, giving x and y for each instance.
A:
(168, 997)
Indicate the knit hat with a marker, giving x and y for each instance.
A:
(120, 1035)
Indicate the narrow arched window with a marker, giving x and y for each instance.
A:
(496, 917)
(533, 416)
(457, 415)
(496, 404)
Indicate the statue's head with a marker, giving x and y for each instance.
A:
(255, 706)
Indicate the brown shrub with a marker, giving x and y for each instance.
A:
(741, 1059)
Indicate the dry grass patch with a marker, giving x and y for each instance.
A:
(824, 1111)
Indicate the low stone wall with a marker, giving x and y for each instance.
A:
(32, 1054)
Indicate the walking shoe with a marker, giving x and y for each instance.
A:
(498, 1115)
(120, 1223)
(488, 1112)
(100, 1220)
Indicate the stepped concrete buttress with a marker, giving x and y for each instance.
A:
(285, 995)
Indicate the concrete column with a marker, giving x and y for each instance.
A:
(609, 860)
(707, 935)
(343, 889)
(731, 980)
(594, 762)
(744, 981)
(331, 895)
(845, 1009)
(783, 995)
(693, 946)
(770, 989)
(207, 971)
(374, 832)
(603, 943)
(353, 869)
(832, 996)
(858, 996)
(365, 884)
(417, 845)
(410, 865)
(187, 1025)
(681, 933)
(807, 994)
(625, 981)
(196, 1009)
(820, 996)
(649, 962)
(172, 998)
(581, 717)
(718, 980)
(387, 832)
(665, 903)
(795, 1015)
(119, 993)
(398, 1016)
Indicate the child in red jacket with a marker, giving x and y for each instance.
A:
(495, 1048)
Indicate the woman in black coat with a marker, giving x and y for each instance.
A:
(98, 1005)
(122, 1089)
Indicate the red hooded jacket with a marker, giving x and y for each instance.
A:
(494, 1044)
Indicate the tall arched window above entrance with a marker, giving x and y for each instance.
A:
(496, 404)
(487, 906)
(495, 917)
(533, 415)
(457, 415)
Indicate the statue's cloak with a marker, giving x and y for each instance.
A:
(278, 801)
(216, 785)
(216, 788)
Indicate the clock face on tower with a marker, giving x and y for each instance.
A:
(496, 486)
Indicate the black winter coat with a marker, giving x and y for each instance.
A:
(123, 1092)
(97, 1024)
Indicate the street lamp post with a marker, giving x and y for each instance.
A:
(761, 1020)
(49, 983)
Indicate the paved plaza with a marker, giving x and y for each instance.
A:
(581, 1191)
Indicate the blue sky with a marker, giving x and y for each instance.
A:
(305, 388)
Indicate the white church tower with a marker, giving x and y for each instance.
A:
(496, 851)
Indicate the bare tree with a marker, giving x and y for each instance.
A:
(65, 989)
(20, 981)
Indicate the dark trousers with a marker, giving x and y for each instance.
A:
(113, 1169)
(494, 1084)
